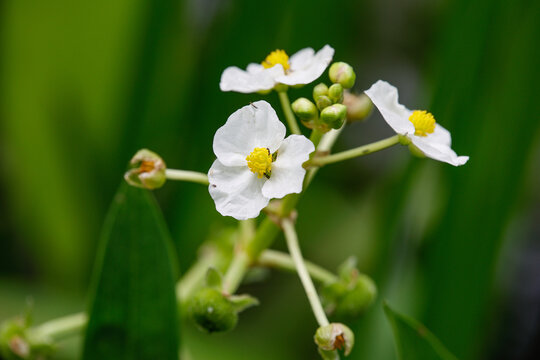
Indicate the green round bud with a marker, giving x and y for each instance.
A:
(212, 311)
(333, 116)
(323, 102)
(358, 106)
(335, 93)
(335, 336)
(147, 170)
(320, 90)
(305, 109)
(356, 300)
(342, 73)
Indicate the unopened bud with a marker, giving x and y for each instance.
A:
(305, 109)
(323, 102)
(343, 74)
(212, 311)
(357, 299)
(358, 106)
(333, 116)
(320, 90)
(335, 336)
(335, 93)
(147, 170)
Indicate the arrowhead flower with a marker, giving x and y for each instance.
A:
(255, 163)
(301, 68)
(418, 126)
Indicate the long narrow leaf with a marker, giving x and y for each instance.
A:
(134, 311)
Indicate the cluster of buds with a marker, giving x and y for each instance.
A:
(333, 104)
(351, 295)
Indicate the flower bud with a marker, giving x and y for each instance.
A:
(333, 116)
(343, 74)
(147, 170)
(335, 93)
(305, 109)
(18, 342)
(358, 106)
(212, 311)
(335, 336)
(323, 102)
(320, 90)
(357, 298)
(350, 295)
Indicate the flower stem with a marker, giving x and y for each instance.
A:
(296, 254)
(280, 260)
(286, 105)
(184, 175)
(236, 272)
(241, 259)
(323, 146)
(356, 152)
(62, 327)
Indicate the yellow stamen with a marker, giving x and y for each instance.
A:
(260, 162)
(423, 121)
(277, 57)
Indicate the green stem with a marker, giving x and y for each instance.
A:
(296, 254)
(289, 116)
(356, 152)
(57, 329)
(324, 145)
(236, 272)
(280, 260)
(184, 175)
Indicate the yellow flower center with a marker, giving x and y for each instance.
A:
(260, 162)
(277, 57)
(423, 121)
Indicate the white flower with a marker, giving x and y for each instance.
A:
(419, 126)
(255, 162)
(301, 68)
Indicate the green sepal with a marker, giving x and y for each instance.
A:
(243, 302)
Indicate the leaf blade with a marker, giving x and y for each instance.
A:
(413, 340)
(134, 312)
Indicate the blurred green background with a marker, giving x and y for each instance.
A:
(83, 85)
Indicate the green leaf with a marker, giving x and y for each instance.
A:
(134, 310)
(413, 340)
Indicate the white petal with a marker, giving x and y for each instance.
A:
(236, 191)
(301, 59)
(254, 79)
(438, 151)
(287, 171)
(385, 98)
(441, 136)
(306, 66)
(254, 125)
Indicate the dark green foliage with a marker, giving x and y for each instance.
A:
(413, 340)
(134, 311)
